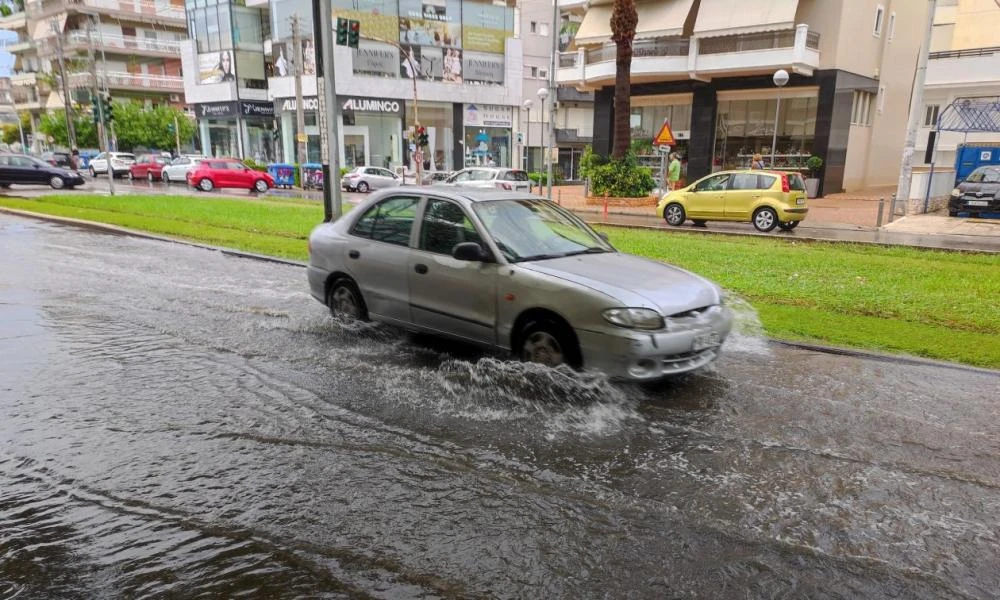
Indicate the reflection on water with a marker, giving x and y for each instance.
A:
(176, 423)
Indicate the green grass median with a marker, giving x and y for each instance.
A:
(929, 303)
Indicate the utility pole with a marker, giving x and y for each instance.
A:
(94, 23)
(177, 135)
(300, 116)
(554, 30)
(916, 102)
(327, 95)
(70, 129)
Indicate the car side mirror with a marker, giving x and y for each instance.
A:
(603, 236)
(469, 251)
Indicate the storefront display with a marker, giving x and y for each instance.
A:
(487, 138)
(438, 119)
(746, 127)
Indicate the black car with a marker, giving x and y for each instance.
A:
(21, 168)
(58, 159)
(979, 193)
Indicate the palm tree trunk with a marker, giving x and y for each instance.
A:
(624, 19)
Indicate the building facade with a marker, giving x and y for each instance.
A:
(132, 46)
(707, 68)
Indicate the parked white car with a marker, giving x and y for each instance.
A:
(178, 169)
(511, 180)
(120, 162)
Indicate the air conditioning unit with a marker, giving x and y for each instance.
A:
(175, 97)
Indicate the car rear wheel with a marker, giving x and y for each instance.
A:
(363, 187)
(260, 186)
(549, 343)
(149, 176)
(165, 177)
(788, 225)
(765, 219)
(206, 185)
(674, 214)
(57, 182)
(345, 301)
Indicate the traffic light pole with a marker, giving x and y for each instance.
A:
(95, 24)
(326, 80)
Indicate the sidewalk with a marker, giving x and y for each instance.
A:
(837, 217)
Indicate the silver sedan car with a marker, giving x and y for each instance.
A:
(366, 179)
(517, 273)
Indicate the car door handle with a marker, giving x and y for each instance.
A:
(755, 197)
(422, 269)
(354, 254)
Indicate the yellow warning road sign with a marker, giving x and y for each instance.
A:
(666, 135)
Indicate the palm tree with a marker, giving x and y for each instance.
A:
(623, 21)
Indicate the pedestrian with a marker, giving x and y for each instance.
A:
(75, 158)
(757, 162)
(674, 172)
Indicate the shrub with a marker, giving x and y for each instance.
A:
(622, 179)
(344, 171)
(542, 177)
(255, 165)
(641, 147)
(814, 164)
(590, 161)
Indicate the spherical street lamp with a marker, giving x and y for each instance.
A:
(780, 78)
(543, 93)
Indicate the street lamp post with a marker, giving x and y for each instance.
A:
(543, 94)
(527, 135)
(780, 79)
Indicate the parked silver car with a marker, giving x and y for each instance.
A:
(366, 179)
(178, 169)
(513, 180)
(514, 272)
(120, 162)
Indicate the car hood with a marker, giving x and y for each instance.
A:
(634, 281)
(987, 189)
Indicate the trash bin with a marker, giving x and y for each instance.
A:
(312, 176)
(282, 173)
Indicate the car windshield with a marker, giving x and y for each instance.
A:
(984, 176)
(537, 229)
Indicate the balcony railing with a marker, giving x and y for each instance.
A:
(965, 53)
(132, 81)
(755, 41)
(124, 42)
(145, 9)
(651, 47)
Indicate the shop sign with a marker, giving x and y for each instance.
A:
(309, 103)
(215, 110)
(373, 105)
(482, 68)
(376, 60)
(256, 108)
(488, 115)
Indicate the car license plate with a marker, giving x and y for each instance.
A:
(800, 201)
(705, 340)
(978, 203)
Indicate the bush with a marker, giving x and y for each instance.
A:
(590, 161)
(641, 147)
(622, 179)
(344, 171)
(542, 177)
(814, 164)
(256, 166)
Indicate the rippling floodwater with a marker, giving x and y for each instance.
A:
(178, 423)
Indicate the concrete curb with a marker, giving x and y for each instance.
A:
(114, 229)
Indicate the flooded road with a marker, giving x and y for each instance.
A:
(175, 422)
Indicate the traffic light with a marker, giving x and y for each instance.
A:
(342, 31)
(170, 127)
(353, 33)
(96, 109)
(109, 108)
(421, 137)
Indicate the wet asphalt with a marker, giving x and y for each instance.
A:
(178, 423)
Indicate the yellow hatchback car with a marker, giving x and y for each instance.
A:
(768, 199)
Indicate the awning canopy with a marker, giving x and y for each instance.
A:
(595, 28)
(736, 17)
(664, 18)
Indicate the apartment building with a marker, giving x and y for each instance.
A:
(707, 66)
(132, 45)
(963, 70)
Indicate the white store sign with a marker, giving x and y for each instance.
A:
(488, 115)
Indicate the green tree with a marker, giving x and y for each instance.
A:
(139, 127)
(53, 124)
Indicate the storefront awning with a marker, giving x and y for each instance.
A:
(736, 17)
(596, 26)
(663, 18)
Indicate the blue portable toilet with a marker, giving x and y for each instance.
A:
(969, 158)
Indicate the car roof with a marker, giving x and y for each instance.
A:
(461, 194)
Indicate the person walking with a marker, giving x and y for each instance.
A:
(674, 171)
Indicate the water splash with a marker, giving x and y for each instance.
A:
(748, 334)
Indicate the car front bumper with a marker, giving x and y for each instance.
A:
(986, 204)
(645, 356)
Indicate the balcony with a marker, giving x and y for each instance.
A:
(666, 59)
(571, 136)
(127, 43)
(964, 69)
(134, 82)
(20, 45)
(161, 12)
(13, 21)
(573, 6)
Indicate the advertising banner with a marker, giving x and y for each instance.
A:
(376, 59)
(284, 58)
(483, 68)
(216, 67)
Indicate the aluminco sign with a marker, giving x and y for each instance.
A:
(372, 105)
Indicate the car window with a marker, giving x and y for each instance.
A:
(99, 156)
(388, 221)
(462, 176)
(537, 229)
(125, 156)
(743, 181)
(386, 173)
(764, 182)
(4, 160)
(235, 166)
(444, 226)
(714, 183)
(180, 161)
(22, 161)
(516, 176)
(796, 183)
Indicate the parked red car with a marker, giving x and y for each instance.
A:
(228, 173)
(148, 166)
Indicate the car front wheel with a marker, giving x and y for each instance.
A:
(345, 301)
(674, 214)
(165, 177)
(765, 219)
(206, 185)
(549, 343)
(93, 173)
(57, 182)
(261, 186)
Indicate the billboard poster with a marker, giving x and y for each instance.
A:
(376, 59)
(216, 67)
(283, 55)
(378, 18)
(430, 23)
(486, 26)
(483, 68)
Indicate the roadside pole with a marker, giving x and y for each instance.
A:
(554, 31)
(177, 135)
(68, 101)
(328, 113)
(103, 124)
(300, 115)
(916, 103)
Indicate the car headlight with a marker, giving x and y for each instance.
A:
(634, 318)
(955, 193)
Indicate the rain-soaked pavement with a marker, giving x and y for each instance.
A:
(179, 423)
